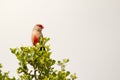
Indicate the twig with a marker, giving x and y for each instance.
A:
(35, 74)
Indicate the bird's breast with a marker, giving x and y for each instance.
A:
(35, 39)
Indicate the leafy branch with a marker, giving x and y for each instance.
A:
(35, 63)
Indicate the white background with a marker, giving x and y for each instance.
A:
(85, 31)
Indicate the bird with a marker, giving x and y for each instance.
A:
(37, 33)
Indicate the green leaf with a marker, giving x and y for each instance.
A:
(65, 60)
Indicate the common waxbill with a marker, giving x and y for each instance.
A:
(37, 33)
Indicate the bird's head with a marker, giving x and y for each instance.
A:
(38, 27)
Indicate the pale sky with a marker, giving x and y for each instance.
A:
(85, 31)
